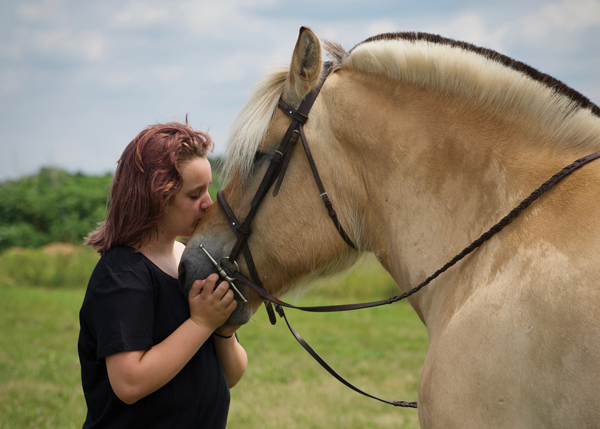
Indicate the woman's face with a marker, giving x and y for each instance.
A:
(192, 200)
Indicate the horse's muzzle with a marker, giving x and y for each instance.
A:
(195, 265)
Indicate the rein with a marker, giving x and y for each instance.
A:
(276, 172)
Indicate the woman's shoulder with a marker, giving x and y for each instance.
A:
(119, 261)
(120, 257)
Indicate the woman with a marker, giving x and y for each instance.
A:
(149, 358)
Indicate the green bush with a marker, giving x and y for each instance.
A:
(19, 234)
(56, 206)
(51, 206)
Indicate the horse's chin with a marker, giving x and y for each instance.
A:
(241, 315)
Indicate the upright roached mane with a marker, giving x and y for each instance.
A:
(442, 64)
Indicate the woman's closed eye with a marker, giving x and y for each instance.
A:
(197, 194)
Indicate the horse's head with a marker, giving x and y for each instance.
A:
(291, 234)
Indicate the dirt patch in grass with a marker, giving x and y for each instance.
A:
(54, 249)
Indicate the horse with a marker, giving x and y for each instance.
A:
(422, 143)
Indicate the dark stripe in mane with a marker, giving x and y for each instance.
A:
(549, 81)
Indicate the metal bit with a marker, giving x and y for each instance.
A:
(221, 272)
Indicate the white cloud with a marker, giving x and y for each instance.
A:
(571, 15)
(555, 26)
(12, 50)
(46, 10)
(119, 80)
(560, 23)
(380, 27)
(142, 14)
(169, 73)
(238, 66)
(11, 81)
(217, 19)
(472, 28)
(329, 33)
(62, 42)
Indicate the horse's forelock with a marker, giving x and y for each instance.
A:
(250, 127)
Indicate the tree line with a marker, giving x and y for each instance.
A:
(56, 206)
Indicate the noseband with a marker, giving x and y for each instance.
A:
(229, 270)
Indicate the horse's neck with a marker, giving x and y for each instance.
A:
(438, 173)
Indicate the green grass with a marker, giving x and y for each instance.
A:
(39, 368)
(54, 266)
(380, 350)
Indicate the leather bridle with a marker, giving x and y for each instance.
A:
(275, 174)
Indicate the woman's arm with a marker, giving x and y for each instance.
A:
(135, 374)
(232, 355)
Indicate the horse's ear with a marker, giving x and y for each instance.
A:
(305, 69)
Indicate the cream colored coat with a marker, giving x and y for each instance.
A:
(422, 147)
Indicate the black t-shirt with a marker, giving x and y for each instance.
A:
(130, 304)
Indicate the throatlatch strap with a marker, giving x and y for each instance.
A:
(324, 195)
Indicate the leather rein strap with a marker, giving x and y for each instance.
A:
(276, 171)
(514, 213)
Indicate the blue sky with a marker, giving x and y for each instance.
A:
(79, 79)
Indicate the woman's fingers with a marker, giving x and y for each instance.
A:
(221, 290)
(221, 293)
(196, 288)
(211, 281)
(233, 303)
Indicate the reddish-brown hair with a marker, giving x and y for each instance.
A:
(147, 179)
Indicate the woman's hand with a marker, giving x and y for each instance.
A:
(210, 306)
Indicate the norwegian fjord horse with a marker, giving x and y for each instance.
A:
(423, 143)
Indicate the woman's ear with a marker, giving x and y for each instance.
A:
(305, 69)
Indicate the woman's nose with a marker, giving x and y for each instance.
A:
(206, 202)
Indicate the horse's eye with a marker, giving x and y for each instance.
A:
(258, 156)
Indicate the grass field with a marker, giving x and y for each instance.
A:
(380, 350)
